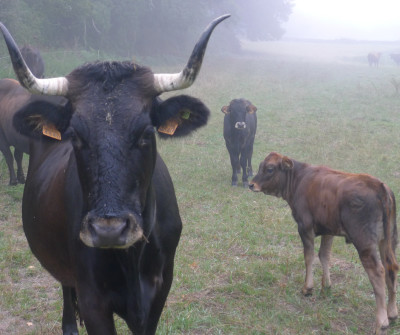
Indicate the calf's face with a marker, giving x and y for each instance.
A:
(271, 177)
(237, 111)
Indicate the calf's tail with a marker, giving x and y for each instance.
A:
(390, 231)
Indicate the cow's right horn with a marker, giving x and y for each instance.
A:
(164, 82)
(48, 86)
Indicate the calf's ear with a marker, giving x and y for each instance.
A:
(251, 109)
(179, 116)
(47, 116)
(225, 109)
(287, 163)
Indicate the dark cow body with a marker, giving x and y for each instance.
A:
(240, 125)
(95, 210)
(331, 203)
(12, 97)
(34, 60)
(373, 58)
(395, 58)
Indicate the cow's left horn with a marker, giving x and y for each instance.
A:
(175, 81)
(48, 86)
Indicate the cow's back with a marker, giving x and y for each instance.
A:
(12, 97)
(337, 201)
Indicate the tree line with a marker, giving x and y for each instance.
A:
(140, 27)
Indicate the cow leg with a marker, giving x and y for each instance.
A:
(243, 164)
(235, 167)
(391, 280)
(18, 155)
(160, 299)
(69, 314)
(307, 237)
(249, 156)
(10, 162)
(376, 274)
(324, 257)
(96, 315)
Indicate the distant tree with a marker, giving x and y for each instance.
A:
(134, 28)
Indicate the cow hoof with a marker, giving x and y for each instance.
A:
(13, 182)
(382, 330)
(307, 292)
(234, 183)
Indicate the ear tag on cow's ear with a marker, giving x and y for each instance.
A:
(185, 114)
(50, 130)
(169, 127)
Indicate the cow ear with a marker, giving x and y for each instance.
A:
(251, 109)
(47, 116)
(179, 116)
(287, 163)
(225, 109)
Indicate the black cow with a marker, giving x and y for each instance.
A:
(395, 58)
(12, 97)
(34, 60)
(240, 125)
(99, 209)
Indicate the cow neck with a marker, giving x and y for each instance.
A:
(293, 177)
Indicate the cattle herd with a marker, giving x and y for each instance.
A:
(105, 230)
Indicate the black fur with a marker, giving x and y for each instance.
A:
(178, 107)
(43, 110)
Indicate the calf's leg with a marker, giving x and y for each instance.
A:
(235, 166)
(324, 257)
(307, 237)
(243, 163)
(391, 269)
(376, 274)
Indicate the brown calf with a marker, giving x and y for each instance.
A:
(332, 203)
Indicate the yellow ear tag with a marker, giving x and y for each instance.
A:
(50, 130)
(169, 127)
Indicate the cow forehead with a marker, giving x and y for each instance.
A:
(239, 104)
(273, 158)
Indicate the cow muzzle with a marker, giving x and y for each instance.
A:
(240, 125)
(254, 187)
(110, 231)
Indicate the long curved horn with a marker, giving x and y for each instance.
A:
(48, 86)
(164, 82)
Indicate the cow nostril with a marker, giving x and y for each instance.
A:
(251, 186)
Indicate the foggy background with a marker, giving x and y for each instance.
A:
(345, 19)
(163, 30)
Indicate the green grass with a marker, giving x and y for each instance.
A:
(239, 266)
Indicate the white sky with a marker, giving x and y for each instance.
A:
(350, 19)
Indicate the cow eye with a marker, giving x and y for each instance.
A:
(270, 169)
(147, 137)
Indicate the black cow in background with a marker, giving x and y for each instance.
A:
(240, 125)
(34, 60)
(12, 97)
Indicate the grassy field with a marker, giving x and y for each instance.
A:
(239, 265)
